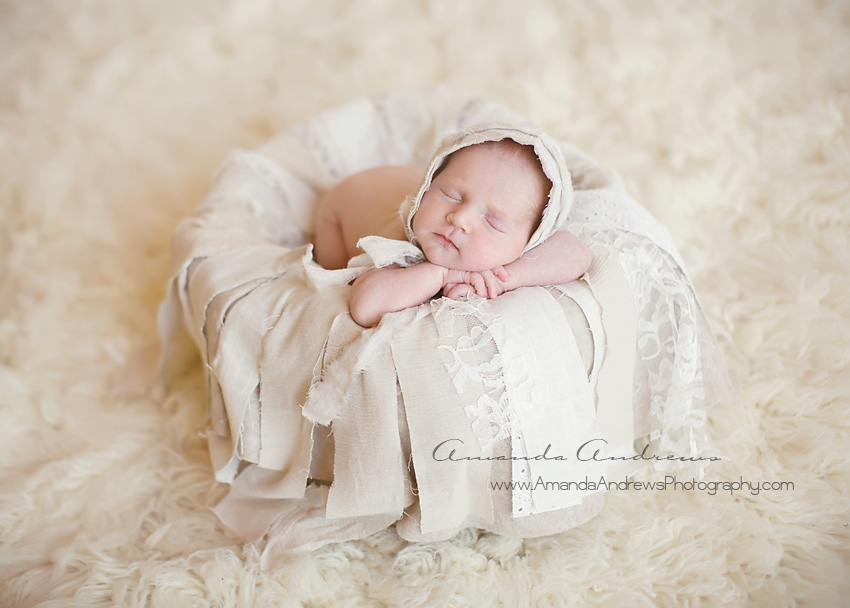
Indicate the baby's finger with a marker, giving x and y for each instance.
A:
(478, 284)
(458, 291)
(493, 291)
(502, 273)
(494, 285)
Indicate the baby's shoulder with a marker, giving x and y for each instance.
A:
(377, 192)
(367, 203)
(385, 178)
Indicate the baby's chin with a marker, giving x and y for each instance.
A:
(455, 260)
(461, 265)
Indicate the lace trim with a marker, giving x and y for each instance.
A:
(475, 365)
(668, 371)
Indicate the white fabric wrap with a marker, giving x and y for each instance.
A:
(299, 392)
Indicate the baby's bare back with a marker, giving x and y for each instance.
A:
(364, 204)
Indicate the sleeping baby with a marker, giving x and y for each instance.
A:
(474, 220)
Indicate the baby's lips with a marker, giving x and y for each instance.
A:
(446, 239)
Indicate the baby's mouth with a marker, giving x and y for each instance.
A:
(445, 241)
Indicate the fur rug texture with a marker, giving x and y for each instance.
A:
(727, 119)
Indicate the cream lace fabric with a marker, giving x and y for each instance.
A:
(328, 432)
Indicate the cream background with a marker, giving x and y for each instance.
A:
(728, 120)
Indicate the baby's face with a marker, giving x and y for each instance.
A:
(481, 210)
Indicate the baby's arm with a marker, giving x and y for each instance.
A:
(393, 288)
(559, 259)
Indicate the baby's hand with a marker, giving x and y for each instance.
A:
(486, 284)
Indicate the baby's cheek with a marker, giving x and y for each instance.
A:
(415, 226)
(519, 243)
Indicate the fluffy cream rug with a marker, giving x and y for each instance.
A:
(728, 120)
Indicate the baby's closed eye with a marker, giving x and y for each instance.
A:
(495, 222)
(451, 194)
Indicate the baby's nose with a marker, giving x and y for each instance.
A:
(460, 219)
